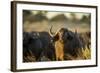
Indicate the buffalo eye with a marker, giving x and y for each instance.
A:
(69, 37)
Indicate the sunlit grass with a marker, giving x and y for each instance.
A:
(86, 53)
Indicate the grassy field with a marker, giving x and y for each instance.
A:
(84, 55)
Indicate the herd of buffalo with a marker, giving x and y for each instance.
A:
(49, 46)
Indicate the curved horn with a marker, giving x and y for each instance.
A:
(50, 31)
(53, 34)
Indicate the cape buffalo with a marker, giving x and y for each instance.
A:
(38, 44)
(66, 42)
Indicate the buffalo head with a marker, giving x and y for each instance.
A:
(71, 42)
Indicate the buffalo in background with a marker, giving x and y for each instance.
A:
(38, 44)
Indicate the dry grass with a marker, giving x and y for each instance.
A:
(29, 59)
(82, 55)
(86, 53)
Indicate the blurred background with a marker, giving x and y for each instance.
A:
(42, 20)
